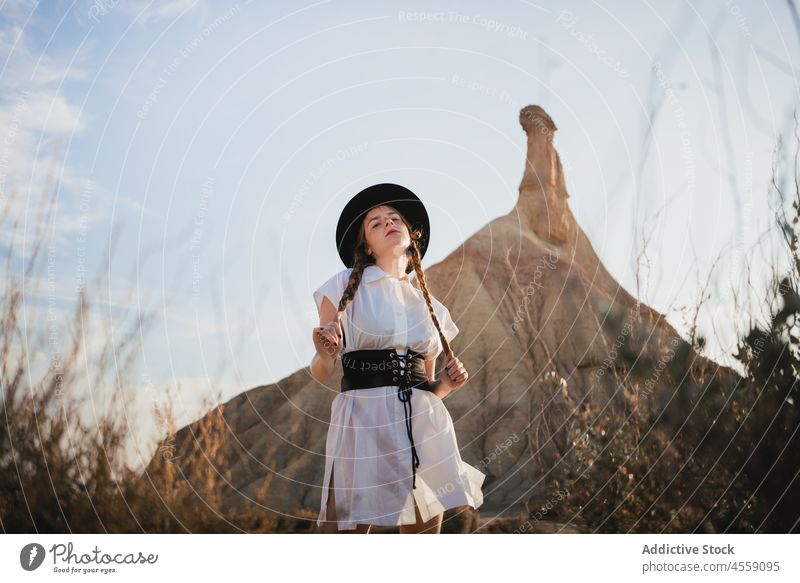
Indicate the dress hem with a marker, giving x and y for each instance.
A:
(451, 485)
(472, 497)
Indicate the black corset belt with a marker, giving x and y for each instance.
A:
(364, 369)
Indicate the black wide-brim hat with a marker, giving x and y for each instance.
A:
(401, 198)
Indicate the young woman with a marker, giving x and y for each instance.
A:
(378, 316)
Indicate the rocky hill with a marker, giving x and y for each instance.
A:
(533, 303)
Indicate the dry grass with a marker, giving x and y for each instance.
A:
(60, 473)
(719, 456)
(713, 453)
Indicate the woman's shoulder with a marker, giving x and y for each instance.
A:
(343, 275)
(340, 276)
(333, 287)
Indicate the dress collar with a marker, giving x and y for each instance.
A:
(373, 272)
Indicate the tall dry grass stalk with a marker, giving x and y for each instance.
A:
(64, 428)
(710, 451)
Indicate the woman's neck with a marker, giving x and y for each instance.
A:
(394, 266)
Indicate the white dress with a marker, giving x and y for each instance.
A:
(367, 449)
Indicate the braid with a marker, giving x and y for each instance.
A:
(360, 262)
(416, 264)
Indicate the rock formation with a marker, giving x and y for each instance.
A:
(530, 297)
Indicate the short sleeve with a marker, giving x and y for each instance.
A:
(333, 289)
(449, 328)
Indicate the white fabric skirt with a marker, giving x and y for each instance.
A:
(368, 453)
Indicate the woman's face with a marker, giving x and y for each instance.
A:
(385, 232)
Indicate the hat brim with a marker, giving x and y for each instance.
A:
(399, 197)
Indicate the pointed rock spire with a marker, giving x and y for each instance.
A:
(542, 203)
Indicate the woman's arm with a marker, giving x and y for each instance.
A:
(438, 389)
(322, 365)
(429, 369)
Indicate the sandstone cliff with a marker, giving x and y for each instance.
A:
(531, 297)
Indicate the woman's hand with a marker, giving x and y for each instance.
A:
(327, 338)
(454, 377)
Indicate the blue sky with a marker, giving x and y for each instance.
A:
(218, 141)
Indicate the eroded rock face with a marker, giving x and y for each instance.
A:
(542, 203)
(530, 297)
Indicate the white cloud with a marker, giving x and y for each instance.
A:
(16, 10)
(155, 11)
(36, 119)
